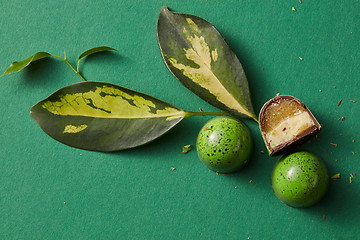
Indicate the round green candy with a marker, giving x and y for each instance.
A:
(300, 179)
(224, 144)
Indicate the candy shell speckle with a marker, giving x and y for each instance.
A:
(300, 179)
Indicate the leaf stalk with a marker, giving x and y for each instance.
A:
(76, 71)
(191, 114)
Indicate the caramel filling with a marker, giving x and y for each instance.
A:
(285, 119)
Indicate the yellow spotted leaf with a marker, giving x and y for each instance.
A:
(104, 117)
(198, 56)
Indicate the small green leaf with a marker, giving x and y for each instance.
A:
(104, 117)
(186, 148)
(17, 66)
(198, 56)
(95, 50)
(335, 176)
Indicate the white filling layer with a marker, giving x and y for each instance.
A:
(289, 128)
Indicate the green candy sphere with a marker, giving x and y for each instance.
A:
(300, 179)
(224, 144)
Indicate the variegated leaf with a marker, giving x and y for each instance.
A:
(104, 117)
(198, 56)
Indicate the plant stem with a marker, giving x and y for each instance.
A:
(77, 67)
(77, 72)
(74, 69)
(190, 114)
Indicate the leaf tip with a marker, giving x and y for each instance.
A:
(164, 8)
(32, 111)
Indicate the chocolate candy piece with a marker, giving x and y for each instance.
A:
(285, 122)
(224, 144)
(300, 179)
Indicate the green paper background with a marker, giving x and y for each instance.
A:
(51, 191)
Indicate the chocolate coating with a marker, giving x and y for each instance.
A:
(300, 179)
(297, 140)
(224, 144)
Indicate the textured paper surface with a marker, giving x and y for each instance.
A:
(51, 191)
